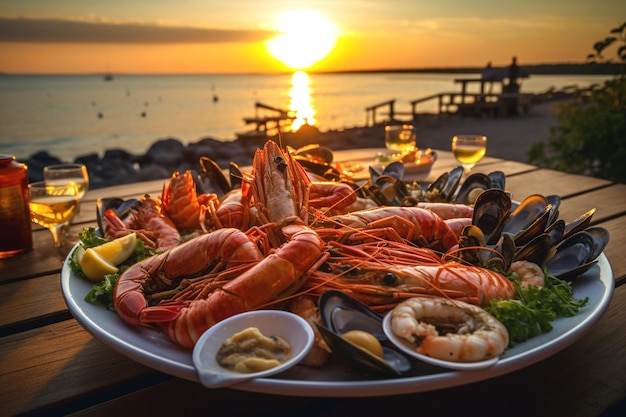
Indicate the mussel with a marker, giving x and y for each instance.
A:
(577, 253)
(534, 232)
(341, 313)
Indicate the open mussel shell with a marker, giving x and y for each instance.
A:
(342, 313)
(581, 223)
(498, 180)
(120, 206)
(211, 179)
(472, 182)
(529, 219)
(491, 211)
(362, 360)
(575, 254)
(315, 152)
(601, 238)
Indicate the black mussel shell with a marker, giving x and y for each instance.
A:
(537, 250)
(316, 153)
(573, 256)
(474, 181)
(601, 238)
(491, 211)
(555, 201)
(581, 223)
(121, 207)
(393, 190)
(341, 313)
(537, 227)
(526, 214)
(555, 230)
(324, 170)
(212, 178)
(439, 184)
(502, 256)
(454, 179)
(236, 175)
(497, 180)
(362, 360)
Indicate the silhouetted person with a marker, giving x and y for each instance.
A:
(488, 75)
(514, 73)
(512, 86)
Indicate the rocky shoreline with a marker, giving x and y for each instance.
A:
(509, 138)
(166, 156)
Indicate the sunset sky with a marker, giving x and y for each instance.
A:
(204, 36)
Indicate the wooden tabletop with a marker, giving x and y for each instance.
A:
(50, 365)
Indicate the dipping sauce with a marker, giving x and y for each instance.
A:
(250, 351)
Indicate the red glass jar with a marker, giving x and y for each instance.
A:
(15, 226)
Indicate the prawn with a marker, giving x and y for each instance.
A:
(449, 330)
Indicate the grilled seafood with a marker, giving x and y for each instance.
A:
(449, 330)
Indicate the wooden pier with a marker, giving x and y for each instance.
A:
(279, 120)
(483, 103)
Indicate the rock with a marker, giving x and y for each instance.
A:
(36, 164)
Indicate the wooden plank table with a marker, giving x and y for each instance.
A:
(49, 365)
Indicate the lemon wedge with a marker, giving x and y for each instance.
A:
(92, 264)
(118, 250)
(101, 260)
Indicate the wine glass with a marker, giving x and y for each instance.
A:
(59, 174)
(400, 138)
(53, 205)
(469, 149)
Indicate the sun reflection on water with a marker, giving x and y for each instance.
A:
(301, 103)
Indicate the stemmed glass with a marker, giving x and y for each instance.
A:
(59, 174)
(53, 205)
(468, 150)
(400, 138)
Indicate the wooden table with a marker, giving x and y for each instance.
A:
(50, 365)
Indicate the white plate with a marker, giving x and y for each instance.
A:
(154, 350)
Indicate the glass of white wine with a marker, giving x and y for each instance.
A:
(59, 174)
(469, 149)
(400, 138)
(53, 205)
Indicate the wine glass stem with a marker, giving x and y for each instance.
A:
(56, 235)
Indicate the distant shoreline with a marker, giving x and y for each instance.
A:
(531, 69)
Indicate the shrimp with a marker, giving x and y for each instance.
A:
(449, 330)
(529, 273)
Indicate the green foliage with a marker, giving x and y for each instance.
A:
(591, 137)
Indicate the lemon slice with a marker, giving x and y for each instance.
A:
(118, 250)
(92, 264)
(101, 260)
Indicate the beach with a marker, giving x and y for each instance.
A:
(508, 138)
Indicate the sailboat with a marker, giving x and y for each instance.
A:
(108, 76)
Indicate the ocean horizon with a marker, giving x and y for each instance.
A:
(74, 115)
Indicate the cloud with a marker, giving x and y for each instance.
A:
(74, 31)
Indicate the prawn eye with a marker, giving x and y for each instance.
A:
(280, 163)
(348, 270)
(389, 278)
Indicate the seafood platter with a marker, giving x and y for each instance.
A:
(405, 286)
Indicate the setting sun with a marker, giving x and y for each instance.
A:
(305, 38)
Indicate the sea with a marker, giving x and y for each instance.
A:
(75, 115)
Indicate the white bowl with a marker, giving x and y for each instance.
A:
(405, 346)
(291, 327)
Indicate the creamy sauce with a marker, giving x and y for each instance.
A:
(250, 351)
